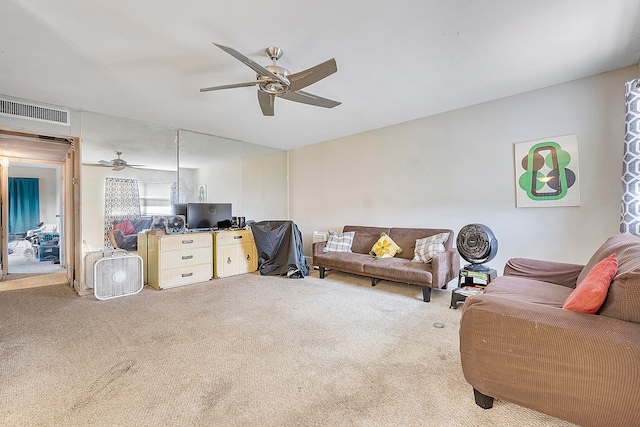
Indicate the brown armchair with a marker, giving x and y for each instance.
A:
(518, 344)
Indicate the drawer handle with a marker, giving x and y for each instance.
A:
(187, 256)
(187, 274)
(237, 237)
(229, 260)
(248, 257)
(187, 242)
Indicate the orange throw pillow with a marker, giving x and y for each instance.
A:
(589, 295)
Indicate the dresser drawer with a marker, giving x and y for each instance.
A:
(185, 257)
(234, 237)
(185, 275)
(185, 241)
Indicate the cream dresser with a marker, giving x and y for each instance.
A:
(179, 259)
(235, 253)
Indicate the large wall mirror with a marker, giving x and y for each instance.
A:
(171, 165)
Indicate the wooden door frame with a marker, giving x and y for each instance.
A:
(71, 220)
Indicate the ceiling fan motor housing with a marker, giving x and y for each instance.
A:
(275, 87)
(477, 244)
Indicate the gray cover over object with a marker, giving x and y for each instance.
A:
(280, 249)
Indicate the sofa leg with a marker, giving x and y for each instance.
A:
(426, 293)
(374, 281)
(321, 269)
(482, 400)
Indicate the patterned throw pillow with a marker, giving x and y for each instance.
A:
(385, 247)
(339, 242)
(429, 246)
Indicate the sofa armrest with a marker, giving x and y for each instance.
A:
(318, 247)
(112, 237)
(445, 266)
(558, 273)
(551, 360)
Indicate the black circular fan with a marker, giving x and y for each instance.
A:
(477, 244)
(175, 224)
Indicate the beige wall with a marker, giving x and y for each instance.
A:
(457, 168)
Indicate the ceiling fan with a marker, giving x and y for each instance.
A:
(275, 81)
(118, 163)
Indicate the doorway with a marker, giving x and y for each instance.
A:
(41, 253)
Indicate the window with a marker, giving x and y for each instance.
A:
(155, 198)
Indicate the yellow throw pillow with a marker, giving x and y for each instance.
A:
(385, 247)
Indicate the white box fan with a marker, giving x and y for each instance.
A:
(90, 259)
(115, 273)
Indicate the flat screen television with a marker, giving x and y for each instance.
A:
(208, 216)
(179, 209)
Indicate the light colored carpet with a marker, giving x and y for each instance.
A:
(22, 260)
(241, 351)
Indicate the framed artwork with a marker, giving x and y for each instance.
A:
(547, 172)
(202, 193)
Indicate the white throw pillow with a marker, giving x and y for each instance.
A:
(339, 242)
(429, 246)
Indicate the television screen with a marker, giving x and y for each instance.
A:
(208, 216)
(179, 209)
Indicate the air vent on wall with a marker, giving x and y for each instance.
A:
(32, 111)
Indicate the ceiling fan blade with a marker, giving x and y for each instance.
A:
(105, 163)
(266, 102)
(310, 76)
(207, 89)
(308, 98)
(249, 63)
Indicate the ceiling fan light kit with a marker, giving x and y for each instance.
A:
(276, 81)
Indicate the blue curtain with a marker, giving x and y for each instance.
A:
(24, 204)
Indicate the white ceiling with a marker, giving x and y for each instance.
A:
(397, 61)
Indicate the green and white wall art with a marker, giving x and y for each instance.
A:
(547, 172)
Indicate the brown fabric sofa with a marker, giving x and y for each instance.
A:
(443, 268)
(518, 344)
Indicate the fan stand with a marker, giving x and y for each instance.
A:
(477, 267)
(477, 244)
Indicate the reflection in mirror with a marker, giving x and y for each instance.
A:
(151, 146)
(250, 177)
(210, 170)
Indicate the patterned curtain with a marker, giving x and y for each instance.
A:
(121, 201)
(630, 216)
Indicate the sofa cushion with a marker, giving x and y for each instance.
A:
(426, 248)
(339, 242)
(589, 295)
(400, 270)
(623, 298)
(385, 247)
(627, 250)
(365, 237)
(344, 261)
(406, 239)
(528, 290)
(125, 227)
